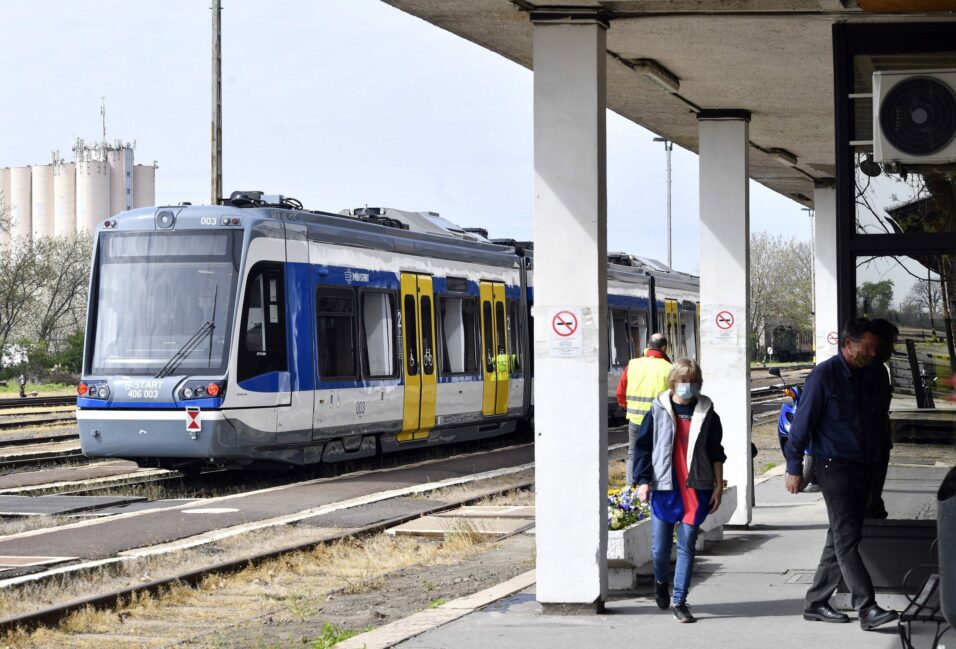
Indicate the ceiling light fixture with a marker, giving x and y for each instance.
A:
(657, 73)
(783, 156)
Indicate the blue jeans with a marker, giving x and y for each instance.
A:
(663, 533)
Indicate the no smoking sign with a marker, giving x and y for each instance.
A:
(564, 332)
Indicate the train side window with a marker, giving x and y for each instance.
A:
(514, 336)
(428, 351)
(638, 327)
(620, 350)
(335, 327)
(458, 335)
(378, 330)
(488, 333)
(410, 335)
(262, 346)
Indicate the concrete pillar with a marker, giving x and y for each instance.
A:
(725, 288)
(826, 318)
(570, 272)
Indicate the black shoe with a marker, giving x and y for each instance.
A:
(824, 613)
(661, 596)
(682, 614)
(874, 616)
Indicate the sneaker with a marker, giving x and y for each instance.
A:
(811, 488)
(682, 614)
(661, 596)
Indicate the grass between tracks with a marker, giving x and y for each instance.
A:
(295, 585)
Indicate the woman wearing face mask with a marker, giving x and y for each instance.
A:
(679, 465)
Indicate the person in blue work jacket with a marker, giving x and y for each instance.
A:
(835, 413)
(678, 465)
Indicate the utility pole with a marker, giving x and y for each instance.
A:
(668, 147)
(216, 101)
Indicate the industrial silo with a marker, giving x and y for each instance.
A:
(42, 205)
(4, 203)
(144, 185)
(120, 161)
(21, 203)
(64, 198)
(92, 191)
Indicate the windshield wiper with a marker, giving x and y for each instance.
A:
(188, 348)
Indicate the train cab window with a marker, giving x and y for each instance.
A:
(378, 331)
(513, 336)
(620, 349)
(262, 346)
(459, 335)
(488, 329)
(335, 328)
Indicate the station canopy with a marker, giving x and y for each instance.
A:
(669, 59)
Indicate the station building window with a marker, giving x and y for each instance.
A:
(459, 335)
(262, 346)
(335, 328)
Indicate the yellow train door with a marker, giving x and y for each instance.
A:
(418, 354)
(496, 359)
(672, 329)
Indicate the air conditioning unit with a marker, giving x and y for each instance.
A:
(914, 116)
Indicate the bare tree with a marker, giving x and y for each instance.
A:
(22, 282)
(780, 285)
(927, 296)
(61, 306)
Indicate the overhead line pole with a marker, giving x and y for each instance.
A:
(216, 101)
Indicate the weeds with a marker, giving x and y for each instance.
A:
(331, 636)
(435, 603)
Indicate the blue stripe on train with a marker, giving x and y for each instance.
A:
(100, 404)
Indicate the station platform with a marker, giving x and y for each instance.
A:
(747, 590)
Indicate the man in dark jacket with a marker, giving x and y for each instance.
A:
(834, 413)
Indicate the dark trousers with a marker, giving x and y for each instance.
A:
(845, 490)
(875, 508)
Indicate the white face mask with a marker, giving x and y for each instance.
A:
(687, 390)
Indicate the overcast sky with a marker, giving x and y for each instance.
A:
(339, 103)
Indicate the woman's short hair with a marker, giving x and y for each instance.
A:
(684, 370)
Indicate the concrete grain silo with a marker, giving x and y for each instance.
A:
(21, 203)
(92, 192)
(120, 161)
(144, 185)
(42, 205)
(4, 202)
(64, 198)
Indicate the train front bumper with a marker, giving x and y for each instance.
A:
(155, 434)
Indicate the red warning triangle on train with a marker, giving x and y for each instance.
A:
(192, 419)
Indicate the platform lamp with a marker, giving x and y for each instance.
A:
(668, 147)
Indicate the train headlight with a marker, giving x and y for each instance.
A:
(199, 390)
(103, 392)
(212, 390)
(165, 219)
(188, 393)
(82, 389)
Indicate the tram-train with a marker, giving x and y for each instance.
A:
(255, 331)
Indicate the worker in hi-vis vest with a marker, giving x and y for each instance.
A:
(643, 379)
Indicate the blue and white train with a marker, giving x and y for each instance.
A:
(255, 331)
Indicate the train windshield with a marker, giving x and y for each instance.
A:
(163, 300)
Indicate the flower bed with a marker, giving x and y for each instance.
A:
(629, 544)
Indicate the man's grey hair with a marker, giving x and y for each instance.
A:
(657, 342)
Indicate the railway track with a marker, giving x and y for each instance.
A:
(373, 512)
(37, 402)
